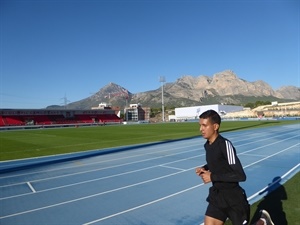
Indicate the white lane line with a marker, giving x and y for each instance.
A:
(94, 195)
(199, 142)
(110, 167)
(93, 180)
(101, 178)
(143, 205)
(31, 188)
(131, 209)
(104, 168)
(148, 152)
(129, 186)
(171, 167)
(144, 160)
(271, 155)
(270, 185)
(263, 146)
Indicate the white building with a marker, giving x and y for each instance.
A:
(102, 105)
(193, 112)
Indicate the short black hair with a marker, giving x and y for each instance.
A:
(212, 115)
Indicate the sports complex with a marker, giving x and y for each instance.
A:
(136, 174)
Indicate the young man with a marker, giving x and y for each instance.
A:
(226, 198)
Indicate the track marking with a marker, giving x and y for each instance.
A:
(199, 142)
(276, 181)
(171, 167)
(163, 197)
(108, 167)
(78, 183)
(31, 188)
(151, 153)
(271, 155)
(144, 160)
(129, 186)
(112, 159)
(102, 178)
(94, 195)
(131, 209)
(143, 205)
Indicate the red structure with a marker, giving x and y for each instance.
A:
(23, 117)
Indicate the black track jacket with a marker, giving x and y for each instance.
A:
(223, 163)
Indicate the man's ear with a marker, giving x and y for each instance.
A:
(216, 126)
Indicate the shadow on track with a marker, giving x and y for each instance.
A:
(272, 202)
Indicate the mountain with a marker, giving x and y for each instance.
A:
(222, 88)
(111, 93)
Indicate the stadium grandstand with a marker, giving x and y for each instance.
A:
(274, 110)
(51, 117)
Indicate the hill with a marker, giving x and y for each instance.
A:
(222, 88)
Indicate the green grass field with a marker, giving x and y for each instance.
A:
(20, 144)
(41, 142)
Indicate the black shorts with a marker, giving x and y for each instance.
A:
(230, 203)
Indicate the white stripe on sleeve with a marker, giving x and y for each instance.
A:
(230, 153)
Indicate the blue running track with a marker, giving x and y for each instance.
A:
(153, 184)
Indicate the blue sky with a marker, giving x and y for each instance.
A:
(51, 49)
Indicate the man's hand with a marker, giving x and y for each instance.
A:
(204, 174)
(199, 170)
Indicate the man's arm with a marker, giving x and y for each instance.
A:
(236, 172)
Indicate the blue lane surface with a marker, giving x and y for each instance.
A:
(148, 185)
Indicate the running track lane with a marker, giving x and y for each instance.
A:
(149, 185)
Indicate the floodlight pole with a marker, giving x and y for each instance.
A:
(162, 80)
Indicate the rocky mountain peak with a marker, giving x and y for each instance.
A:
(225, 75)
(223, 87)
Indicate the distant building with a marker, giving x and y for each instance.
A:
(135, 113)
(193, 112)
(104, 105)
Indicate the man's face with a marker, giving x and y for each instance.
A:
(208, 130)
